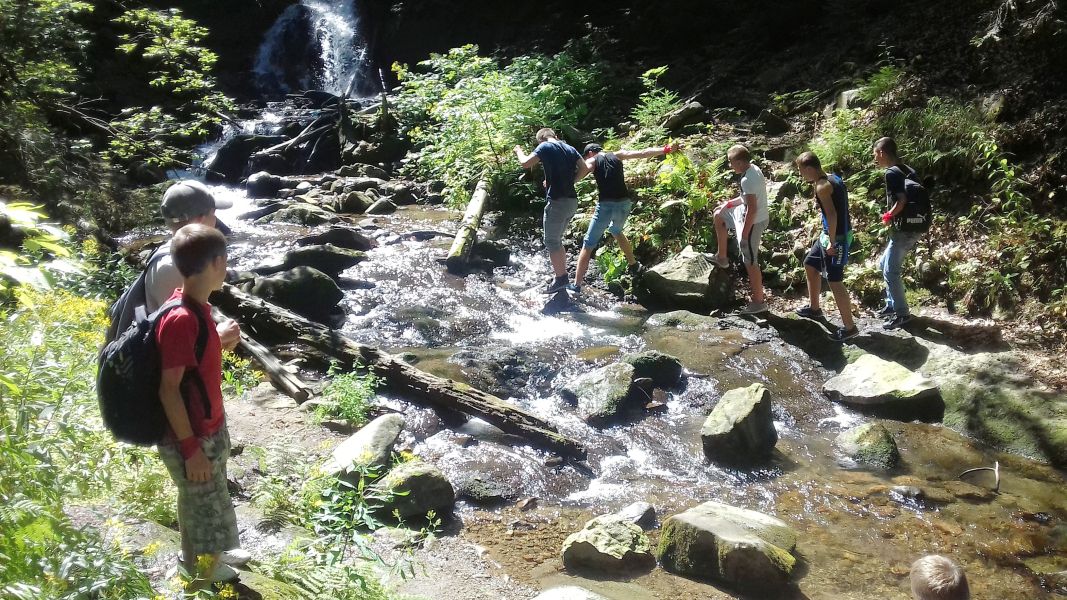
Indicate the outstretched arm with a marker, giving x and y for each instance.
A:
(589, 163)
(646, 153)
(526, 160)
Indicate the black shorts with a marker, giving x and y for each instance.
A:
(832, 267)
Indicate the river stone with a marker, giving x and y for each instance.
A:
(746, 549)
(692, 112)
(641, 514)
(870, 445)
(682, 319)
(354, 202)
(887, 389)
(602, 393)
(741, 426)
(426, 489)
(686, 280)
(399, 192)
(381, 207)
(371, 446)
(303, 290)
(608, 544)
(262, 185)
(362, 170)
(300, 213)
(362, 184)
(568, 592)
(326, 258)
(231, 160)
(342, 237)
(664, 369)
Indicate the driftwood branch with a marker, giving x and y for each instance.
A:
(283, 379)
(270, 322)
(467, 235)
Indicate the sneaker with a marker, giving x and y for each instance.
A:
(636, 270)
(843, 334)
(809, 313)
(897, 322)
(754, 308)
(558, 284)
(886, 311)
(721, 262)
(574, 287)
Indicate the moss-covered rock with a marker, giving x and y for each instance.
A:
(303, 290)
(682, 319)
(608, 544)
(748, 550)
(417, 488)
(887, 389)
(663, 369)
(300, 213)
(686, 280)
(601, 394)
(741, 426)
(869, 445)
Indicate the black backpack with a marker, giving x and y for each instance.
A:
(127, 381)
(132, 304)
(917, 215)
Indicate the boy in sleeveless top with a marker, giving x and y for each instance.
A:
(829, 253)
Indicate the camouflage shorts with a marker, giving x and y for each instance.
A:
(205, 511)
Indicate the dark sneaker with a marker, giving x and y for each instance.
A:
(754, 308)
(809, 313)
(556, 285)
(574, 287)
(886, 311)
(636, 270)
(843, 334)
(897, 322)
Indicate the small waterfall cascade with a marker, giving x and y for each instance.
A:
(316, 44)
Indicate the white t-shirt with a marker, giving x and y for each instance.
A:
(753, 182)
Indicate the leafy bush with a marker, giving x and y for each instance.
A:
(348, 397)
(655, 103)
(238, 374)
(35, 243)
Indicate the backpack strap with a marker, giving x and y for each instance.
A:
(200, 348)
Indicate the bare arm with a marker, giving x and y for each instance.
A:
(646, 153)
(898, 206)
(589, 163)
(197, 466)
(526, 160)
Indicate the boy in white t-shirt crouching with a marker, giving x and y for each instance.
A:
(747, 216)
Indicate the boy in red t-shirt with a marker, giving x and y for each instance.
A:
(199, 443)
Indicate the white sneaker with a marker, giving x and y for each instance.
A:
(722, 263)
(754, 308)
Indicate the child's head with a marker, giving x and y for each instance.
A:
(200, 251)
(739, 158)
(187, 202)
(809, 166)
(935, 577)
(592, 150)
(544, 134)
(885, 152)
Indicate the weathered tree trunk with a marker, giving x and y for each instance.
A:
(270, 322)
(467, 235)
(284, 380)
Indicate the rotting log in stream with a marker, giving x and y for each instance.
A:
(271, 323)
(467, 234)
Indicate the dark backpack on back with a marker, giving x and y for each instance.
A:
(917, 215)
(129, 374)
(132, 304)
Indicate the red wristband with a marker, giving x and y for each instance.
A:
(887, 217)
(188, 446)
(668, 149)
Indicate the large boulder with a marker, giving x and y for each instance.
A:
(741, 426)
(415, 488)
(354, 202)
(381, 207)
(686, 280)
(601, 394)
(870, 445)
(399, 192)
(230, 161)
(327, 258)
(690, 113)
(303, 290)
(641, 514)
(369, 448)
(299, 213)
(663, 369)
(608, 544)
(887, 389)
(748, 550)
(362, 184)
(342, 237)
(263, 185)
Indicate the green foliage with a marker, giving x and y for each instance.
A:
(38, 244)
(238, 374)
(882, 84)
(466, 112)
(612, 263)
(655, 103)
(348, 397)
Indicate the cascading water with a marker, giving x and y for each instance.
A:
(316, 44)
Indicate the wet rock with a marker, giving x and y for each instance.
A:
(362, 170)
(231, 159)
(300, 213)
(303, 290)
(607, 544)
(426, 489)
(342, 237)
(887, 389)
(690, 113)
(686, 280)
(363, 184)
(869, 445)
(641, 514)
(741, 427)
(483, 491)
(967, 491)
(371, 447)
(494, 251)
(771, 123)
(381, 207)
(326, 258)
(682, 319)
(304, 186)
(746, 549)
(399, 192)
(601, 394)
(664, 369)
(568, 592)
(262, 185)
(505, 371)
(353, 203)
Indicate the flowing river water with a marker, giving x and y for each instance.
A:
(857, 538)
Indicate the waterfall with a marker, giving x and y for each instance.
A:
(316, 44)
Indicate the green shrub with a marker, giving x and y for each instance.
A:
(238, 374)
(348, 397)
(655, 103)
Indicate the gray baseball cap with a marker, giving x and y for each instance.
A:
(187, 199)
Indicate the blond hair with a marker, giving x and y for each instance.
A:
(739, 152)
(544, 133)
(935, 577)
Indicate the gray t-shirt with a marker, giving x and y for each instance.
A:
(753, 182)
(161, 279)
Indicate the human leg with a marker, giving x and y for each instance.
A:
(619, 214)
(844, 303)
(892, 270)
(557, 215)
(750, 257)
(722, 230)
(583, 265)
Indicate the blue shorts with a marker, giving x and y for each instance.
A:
(832, 267)
(558, 214)
(610, 216)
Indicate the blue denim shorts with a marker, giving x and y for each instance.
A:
(610, 216)
(558, 214)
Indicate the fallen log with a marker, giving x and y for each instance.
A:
(270, 322)
(283, 379)
(467, 234)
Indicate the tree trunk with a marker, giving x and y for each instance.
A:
(270, 322)
(467, 235)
